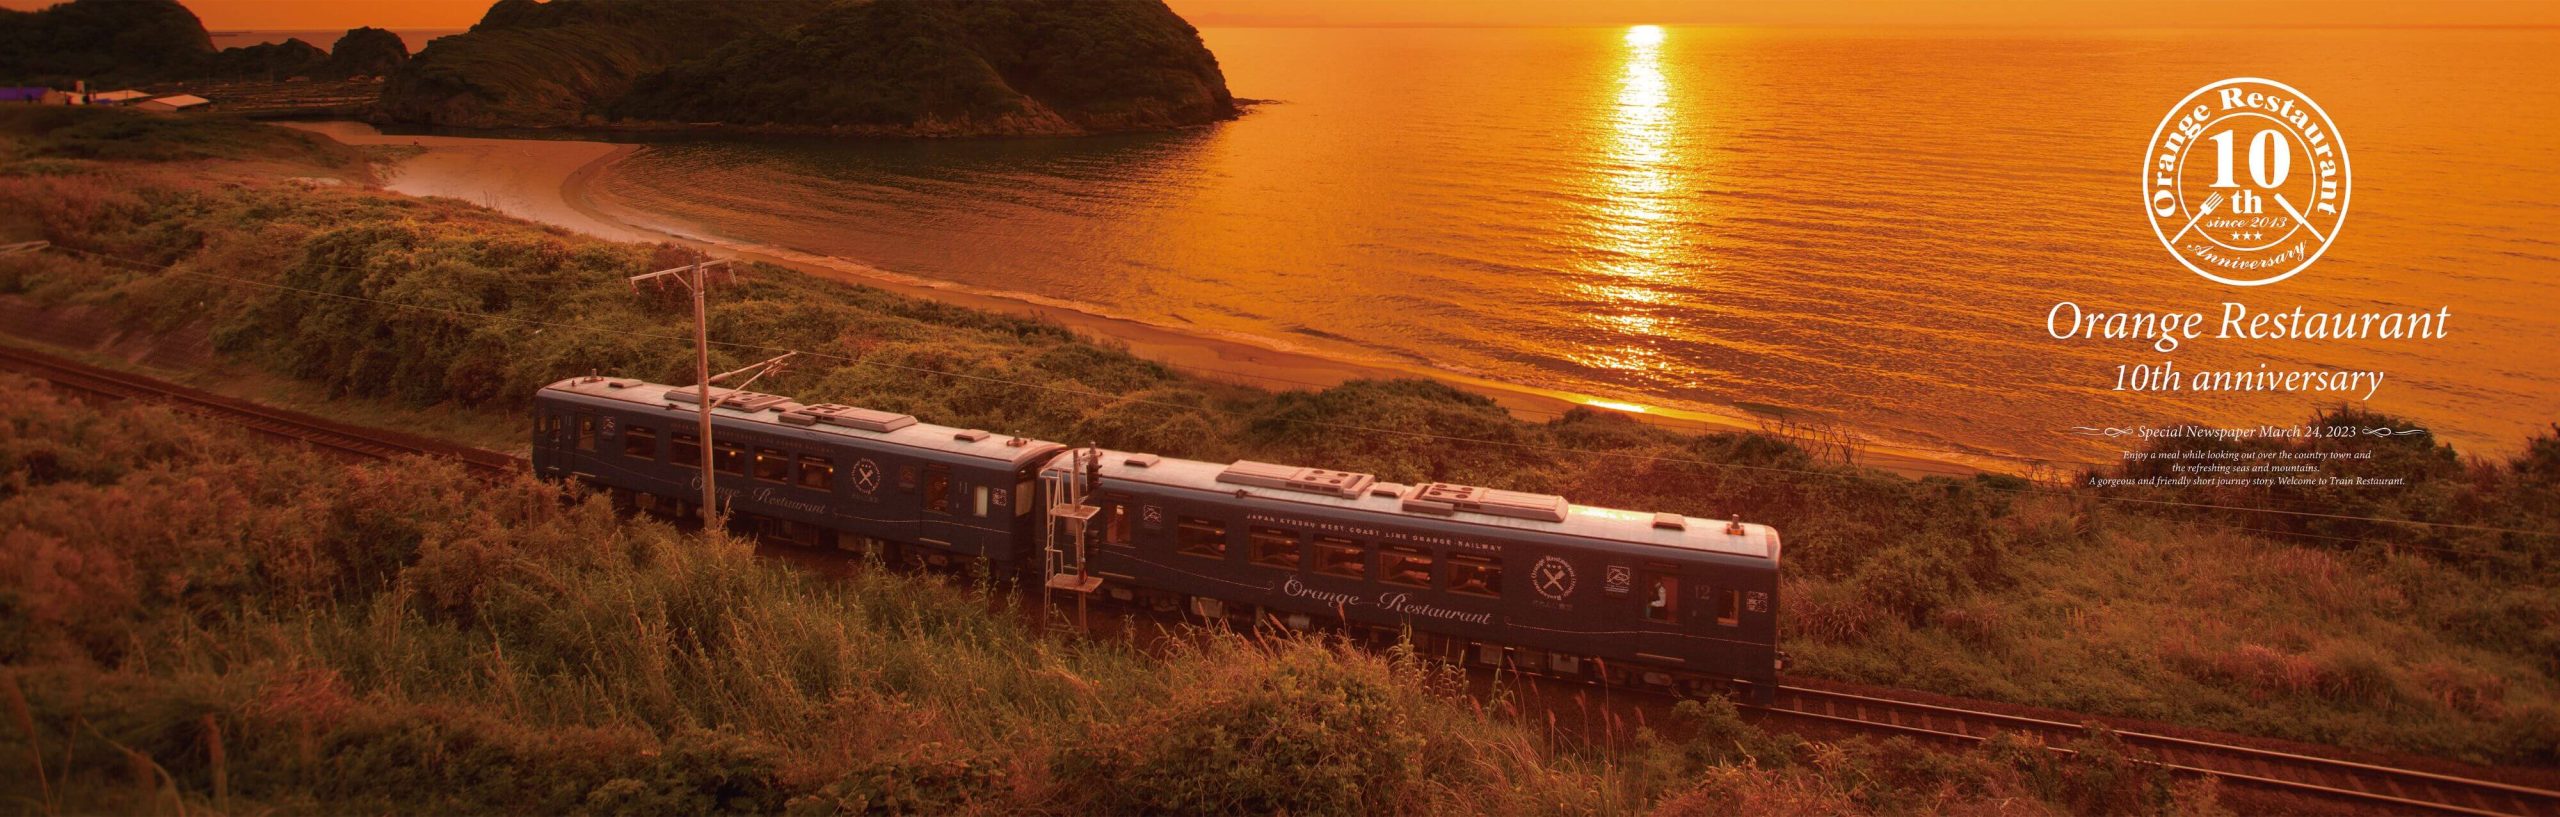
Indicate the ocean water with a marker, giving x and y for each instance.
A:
(1859, 228)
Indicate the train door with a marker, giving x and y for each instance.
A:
(1663, 612)
(936, 505)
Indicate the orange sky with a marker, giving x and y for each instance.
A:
(341, 14)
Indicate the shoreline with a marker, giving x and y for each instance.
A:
(551, 182)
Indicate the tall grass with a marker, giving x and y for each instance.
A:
(2435, 639)
(276, 631)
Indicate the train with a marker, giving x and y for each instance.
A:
(1520, 581)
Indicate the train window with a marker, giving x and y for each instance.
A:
(817, 472)
(773, 465)
(1336, 556)
(1729, 607)
(640, 441)
(937, 488)
(906, 477)
(1022, 498)
(729, 458)
(1475, 575)
(684, 449)
(1115, 531)
(979, 500)
(1663, 601)
(1404, 565)
(1274, 547)
(549, 428)
(586, 432)
(1201, 537)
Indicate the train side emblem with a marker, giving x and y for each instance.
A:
(1621, 580)
(1553, 578)
(866, 476)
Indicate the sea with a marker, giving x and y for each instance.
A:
(1859, 231)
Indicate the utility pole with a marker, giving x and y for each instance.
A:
(692, 276)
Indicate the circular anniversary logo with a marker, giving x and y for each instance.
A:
(2246, 181)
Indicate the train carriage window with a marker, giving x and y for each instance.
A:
(1274, 547)
(1729, 607)
(550, 428)
(729, 458)
(1336, 556)
(772, 465)
(937, 488)
(1404, 565)
(684, 449)
(979, 500)
(817, 472)
(1475, 575)
(1201, 537)
(1022, 498)
(1115, 531)
(1662, 602)
(586, 432)
(640, 441)
(906, 477)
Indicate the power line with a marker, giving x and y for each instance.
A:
(1651, 458)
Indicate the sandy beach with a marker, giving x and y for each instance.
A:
(551, 181)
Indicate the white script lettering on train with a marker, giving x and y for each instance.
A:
(1393, 602)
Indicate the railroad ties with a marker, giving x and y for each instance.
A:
(2241, 765)
(323, 434)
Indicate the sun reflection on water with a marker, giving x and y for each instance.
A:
(1633, 236)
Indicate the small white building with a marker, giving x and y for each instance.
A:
(173, 104)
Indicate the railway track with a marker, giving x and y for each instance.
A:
(340, 438)
(2378, 785)
(2386, 786)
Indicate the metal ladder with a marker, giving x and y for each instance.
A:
(1064, 565)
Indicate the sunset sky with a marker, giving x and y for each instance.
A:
(339, 14)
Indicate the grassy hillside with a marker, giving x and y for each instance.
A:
(287, 633)
(2392, 635)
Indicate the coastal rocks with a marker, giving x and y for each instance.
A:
(367, 52)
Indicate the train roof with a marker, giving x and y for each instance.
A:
(783, 414)
(1440, 502)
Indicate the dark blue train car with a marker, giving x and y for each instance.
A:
(1483, 576)
(823, 475)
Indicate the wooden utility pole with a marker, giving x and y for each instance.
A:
(692, 276)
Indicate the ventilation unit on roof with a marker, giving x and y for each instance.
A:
(969, 436)
(1443, 498)
(848, 417)
(727, 398)
(1343, 484)
(1143, 460)
(620, 382)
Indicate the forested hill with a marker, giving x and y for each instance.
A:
(101, 41)
(933, 67)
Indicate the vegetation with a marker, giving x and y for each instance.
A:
(271, 61)
(907, 65)
(290, 633)
(366, 51)
(2389, 636)
(895, 66)
(34, 138)
(109, 42)
(538, 64)
(102, 41)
